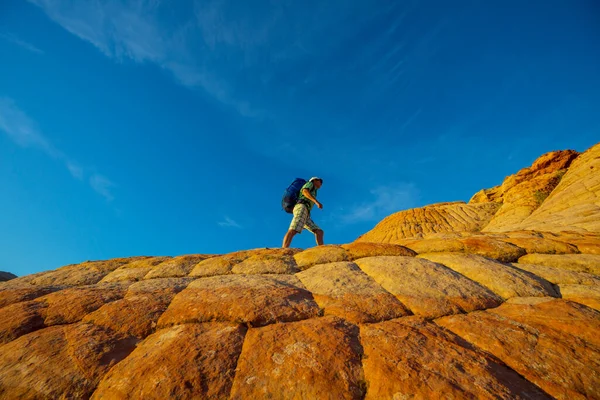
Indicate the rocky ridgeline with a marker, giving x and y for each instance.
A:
(446, 310)
(559, 192)
(509, 316)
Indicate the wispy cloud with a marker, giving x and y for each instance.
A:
(229, 223)
(384, 201)
(12, 38)
(22, 130)
(102, 185)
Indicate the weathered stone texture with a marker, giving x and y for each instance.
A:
(420, 222)
(134, 271)
(554, 344)
(559, 275)
(502, 279)
(315, 359)
(358, 250)
(176, 267)
(575, 203)
(426, 288)
(320, 255)
(253, 299)
(183, 362)
(342, 289)
(412, 358)
(573, 262)
(60, 362)
(583, 294)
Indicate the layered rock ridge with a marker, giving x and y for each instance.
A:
(362, 320)
(559, 192)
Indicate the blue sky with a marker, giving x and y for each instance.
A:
(148, 127)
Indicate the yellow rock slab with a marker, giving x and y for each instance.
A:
(342, 289)
(559, 275)
(320, 255)
(500, 278)
(426, 288)
(584, 294)
(572, 262)
(176, 267)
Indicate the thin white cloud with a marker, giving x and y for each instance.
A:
(75, 169)
(102, 185)
(22, 130)
(229, 223)
(132, 31)
(14, 39)
(385, 201)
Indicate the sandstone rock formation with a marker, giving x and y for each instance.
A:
(363, 320)
(430, 304)
(559, 192)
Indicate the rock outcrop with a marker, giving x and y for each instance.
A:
(430, 304)
(363, 320)
(559, 192)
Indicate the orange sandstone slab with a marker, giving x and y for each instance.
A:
(319, 358)
(176, 266)
(412, 358)
(60, 362)
(135, 270)
(427, 288)
(542, 246)
(553, 344)
(11, 294)
(320, 255)
(185, 361)
(253, 299)
(62, 307)
(342, 289)
(502, 279)
(268, 261)
(492, 248)
(358, 250)
(136, 315)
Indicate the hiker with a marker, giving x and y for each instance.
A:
(301, 220)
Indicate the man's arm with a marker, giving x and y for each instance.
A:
(307, 194)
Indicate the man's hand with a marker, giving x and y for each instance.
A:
(318, 204)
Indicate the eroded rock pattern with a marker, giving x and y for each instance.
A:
(429, 304)
(364, 320)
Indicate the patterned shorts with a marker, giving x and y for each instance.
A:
(302, 220)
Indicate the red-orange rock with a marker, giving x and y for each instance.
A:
(253, 299)
(358, 250)
(63, 362)
(412, 358)
(315, 359)
(553, 344)
(185, 361)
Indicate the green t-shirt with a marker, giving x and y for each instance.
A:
(303, 199)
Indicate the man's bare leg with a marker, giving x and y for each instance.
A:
(287, 239)
(319, 236)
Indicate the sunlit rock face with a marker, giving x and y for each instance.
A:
(404, 312)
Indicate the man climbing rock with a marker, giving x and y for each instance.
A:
(301, 220)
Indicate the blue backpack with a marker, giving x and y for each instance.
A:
(290, 195)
